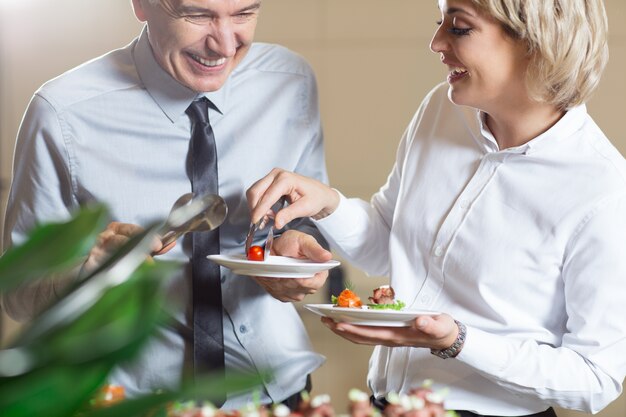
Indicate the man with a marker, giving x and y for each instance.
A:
(117, 130)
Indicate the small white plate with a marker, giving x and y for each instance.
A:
(273, 267)
(369, 317)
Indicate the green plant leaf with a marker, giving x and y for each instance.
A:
(52, 248)
(79, 298)
(112, 329)
(55, 391)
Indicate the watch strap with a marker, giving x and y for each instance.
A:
(456, 347)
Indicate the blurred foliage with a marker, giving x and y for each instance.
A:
(64, 356)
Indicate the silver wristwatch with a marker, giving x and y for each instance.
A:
(456, 347)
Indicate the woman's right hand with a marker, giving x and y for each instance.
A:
(307, 197)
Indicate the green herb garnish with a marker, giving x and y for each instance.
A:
(398, 305)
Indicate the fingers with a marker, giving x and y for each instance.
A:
(164, 249)
(296, 244)
(312, 250)
(306, 196)
(291, 289)
(437, 332)
(265, 192)
(110, 240)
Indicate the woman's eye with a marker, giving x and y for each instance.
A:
(460, 31)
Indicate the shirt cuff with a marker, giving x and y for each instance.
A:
(487, 352)
(339, 221)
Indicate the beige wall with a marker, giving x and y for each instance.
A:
(373, 68)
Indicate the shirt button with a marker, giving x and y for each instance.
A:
(425, 298)
(464, 204)
(438, 251)
(243, 329)
(223, 279)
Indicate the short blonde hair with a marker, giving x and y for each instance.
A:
(567, 45)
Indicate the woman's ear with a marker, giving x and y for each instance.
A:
(139, 10)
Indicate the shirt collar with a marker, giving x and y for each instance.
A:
(571, 122)
(170, 95)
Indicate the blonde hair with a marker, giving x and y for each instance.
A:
(567, 45)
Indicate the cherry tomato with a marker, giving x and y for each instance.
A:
(256, 253)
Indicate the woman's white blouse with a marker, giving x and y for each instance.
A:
(526, 246)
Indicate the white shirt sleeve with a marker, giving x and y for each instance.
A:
(586, 371)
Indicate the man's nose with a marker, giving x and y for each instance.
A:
(223, 39)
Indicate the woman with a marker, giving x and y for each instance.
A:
(505, 210)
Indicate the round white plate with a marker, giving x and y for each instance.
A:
(369, 317)
(273, 267)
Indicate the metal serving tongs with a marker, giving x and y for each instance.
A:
(193, 214)
(260, 225)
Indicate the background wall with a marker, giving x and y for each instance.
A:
(373, 67)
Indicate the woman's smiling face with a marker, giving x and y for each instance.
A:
(486, 65)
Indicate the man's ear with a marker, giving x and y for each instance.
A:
(139, 10)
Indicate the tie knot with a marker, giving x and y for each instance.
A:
(198, 111)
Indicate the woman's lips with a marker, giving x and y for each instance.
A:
(456, 74)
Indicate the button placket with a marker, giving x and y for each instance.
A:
(435, 279)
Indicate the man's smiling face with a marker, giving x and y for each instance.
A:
(199, 42)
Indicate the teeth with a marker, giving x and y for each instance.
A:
(458, 70)
(209, 62)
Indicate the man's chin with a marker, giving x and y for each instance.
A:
(206, 86)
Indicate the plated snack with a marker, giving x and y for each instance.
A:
(382, 299)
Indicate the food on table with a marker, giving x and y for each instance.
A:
(384, 299)
(318, 406)
(347, 298)
(256, 253)
(108, 395)
(419, 402)
(359, 404)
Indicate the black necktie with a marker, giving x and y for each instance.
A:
(208, 335)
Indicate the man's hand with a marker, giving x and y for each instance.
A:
(112, 238)
(296, 244)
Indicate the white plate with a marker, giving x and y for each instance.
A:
(369, 317)
(273, 267)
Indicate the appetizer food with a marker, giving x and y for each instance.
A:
(382, 299)
(347, 298)
(383, 295)
(256, 253)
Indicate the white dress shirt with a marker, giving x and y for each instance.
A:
(114, 130)
(524, 245)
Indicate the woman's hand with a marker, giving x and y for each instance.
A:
(307, 197)
(433, 332)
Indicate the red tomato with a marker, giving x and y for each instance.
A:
(256, 253)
